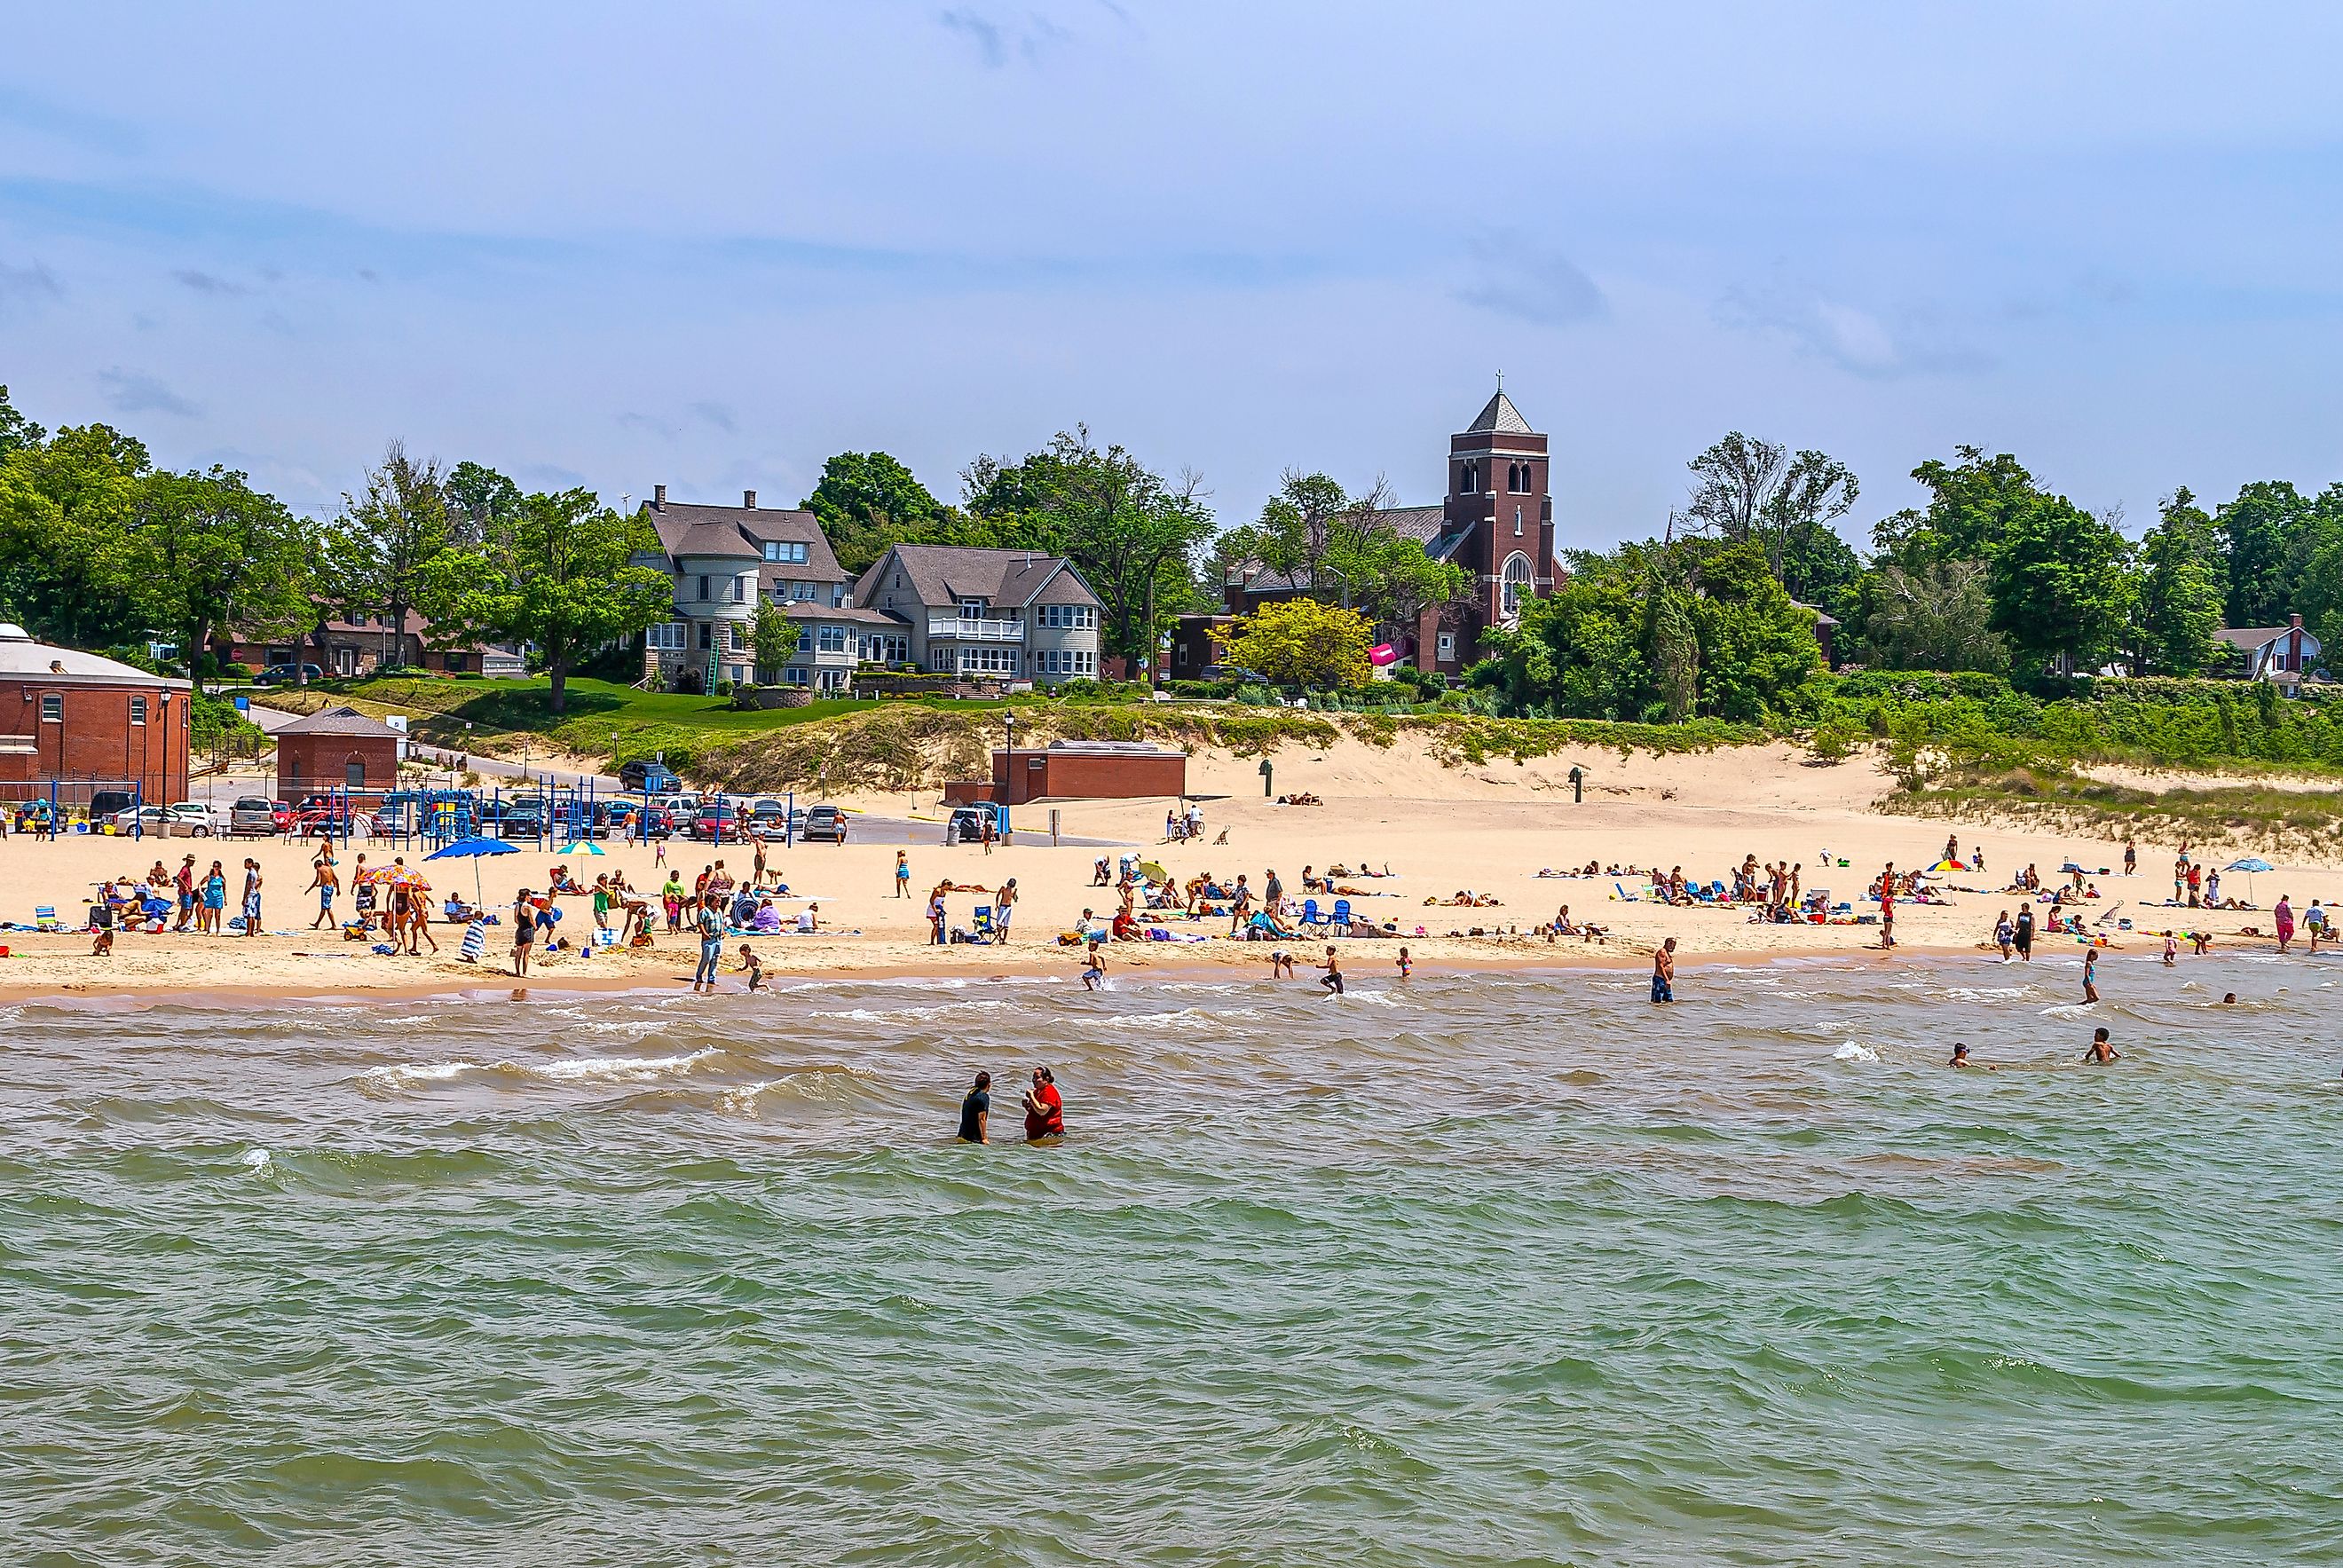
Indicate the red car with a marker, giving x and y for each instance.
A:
(281, 813)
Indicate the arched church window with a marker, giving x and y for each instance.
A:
(1515, 584)
(1470, 481)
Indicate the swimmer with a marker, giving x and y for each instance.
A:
(1406, 964)
(1332, 979)
(1961, 1058)
(2228, 999)
(2101, 1053)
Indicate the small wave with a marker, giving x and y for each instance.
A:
(422, 1072)
(611, 1068)
(258, 1160)
(2070, 1010)
(1854, 1050)
(1183, 1017)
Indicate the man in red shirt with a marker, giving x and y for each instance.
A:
(1045, 1112)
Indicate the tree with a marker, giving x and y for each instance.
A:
(478, 502)
(2060, 586)
(1132, 534)
(214, 552)
(1754, 643)
(67, 571)
(1818, 567)
(17, 433)
(1933, 615)
(560, 576)
(1747, 491)
(2270, 534)
(2318, 600)
(1342, 548)
(390, 536)
(1301, 642)
(774, 636)
(1971, 505)
(867, 501)
(2181, 589)
(1582, 653)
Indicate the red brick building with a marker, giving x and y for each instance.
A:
(336, 749)
(1088, 770)
(69, 718)
(361, 646)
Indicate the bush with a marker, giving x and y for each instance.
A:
(723, 688)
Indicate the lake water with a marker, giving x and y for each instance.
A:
(1517, 1270)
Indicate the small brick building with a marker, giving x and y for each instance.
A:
(336, 749)
(1088, 770)
(70, 718)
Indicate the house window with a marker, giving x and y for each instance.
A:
(137, 710)
(971, 609)
(458, 662)
(1447, 645)
(1468, 478)
(1068, 616)
(781, 550)
(707, 636)
(803, 593)
(830, 639)
(737, 638)
(53, 709)
(740, 590)
(703, 587)
(988, 660)
(795, 675)
(667, 636)
(805, 639)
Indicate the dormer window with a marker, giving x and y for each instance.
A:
(971, 609)
(785, 551)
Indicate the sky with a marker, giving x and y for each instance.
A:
(708, 244)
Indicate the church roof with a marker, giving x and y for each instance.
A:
(1500, 415)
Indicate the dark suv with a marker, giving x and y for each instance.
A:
(648, 779)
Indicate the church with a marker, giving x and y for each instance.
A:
(1497, 522)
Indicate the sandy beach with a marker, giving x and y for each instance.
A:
(1488, 829)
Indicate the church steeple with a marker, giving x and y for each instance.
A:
(1499, 416)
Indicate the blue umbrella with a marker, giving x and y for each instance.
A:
(2250, 865)
(472, 850)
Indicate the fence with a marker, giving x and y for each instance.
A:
(55, 806)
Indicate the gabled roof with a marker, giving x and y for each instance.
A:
(339, 720)
(2254, 637)
(740, 533)
(853, 614)
(1500, 415)
(945, 574)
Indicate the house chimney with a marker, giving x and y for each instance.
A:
(659, 495)
(2296, 620)
(749, 500)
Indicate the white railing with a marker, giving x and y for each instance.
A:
(971, 629)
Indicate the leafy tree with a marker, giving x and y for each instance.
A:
(387, 538)
(1818, 567)
(1343, 548)
(478, 502)
(774, 635)
(67, 571)
(1583, 652)
(16, 432)
(1301, 642)
(2270, 534)
(2181, 588)
(1933, 615)
(2060, 588)
(867, 501)
(1132, 534)
(558, 576)
(1971, 505)
(1747, 491)
(215, 552)
(2318, 600)
(1754, 643)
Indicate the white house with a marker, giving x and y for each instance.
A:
(2284, 653)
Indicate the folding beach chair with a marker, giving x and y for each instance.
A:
(44, 918)
(1342, 916)
(1310, 912)
(1716, 892)
(980, 924)
(1620, 893)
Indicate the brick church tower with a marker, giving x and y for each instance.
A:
(1497, 523)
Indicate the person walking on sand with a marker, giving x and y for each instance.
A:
(1239, 905)
(1045, 1109)
(903, 878)
(1332, 979)
(1004, 905)
(1663, 971)
(2101, 1053)
(325, 884)
(2131, 858)
(976, 1109)
(185, 883)
(524, 920)
(1887, 906)
(2090, 976)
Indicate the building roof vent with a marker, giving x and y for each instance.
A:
(11, 632)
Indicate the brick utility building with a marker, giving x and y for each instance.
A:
(336, 749)
(72, 718)
(1088, 770)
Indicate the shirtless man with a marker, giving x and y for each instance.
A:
(1663, 971)
(1332, 979)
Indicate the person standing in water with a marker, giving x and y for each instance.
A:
(2021, 936)
(1406, 964)
(710, 922)
(2090, 976)
(2101, 1053)
(976, 1109)
(2283, 917)
(1663, 971)
(1887, 906)
(1332, 979)
(1045, 1110)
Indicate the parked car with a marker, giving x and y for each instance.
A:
(104, 803)
(253, 817)
(282, 674)
(521, 819)
(1235, 672)
(155, 821)
(652, 777)
(769, 819)
(720, 821)
(825, 823)
(203, 820)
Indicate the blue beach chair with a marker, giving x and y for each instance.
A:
(1342, 917)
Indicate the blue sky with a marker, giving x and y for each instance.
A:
(708, 244)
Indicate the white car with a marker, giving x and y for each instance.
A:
(203, 820)
(154, 821)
